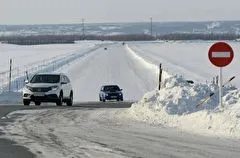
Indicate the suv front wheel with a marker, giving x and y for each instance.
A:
(60, 100)
(70, 100)
(26, 102)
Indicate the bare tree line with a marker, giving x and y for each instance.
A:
(199, 36)
(52, 39)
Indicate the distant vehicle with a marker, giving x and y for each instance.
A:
(105, 48)
(110, 92)
(55, 87)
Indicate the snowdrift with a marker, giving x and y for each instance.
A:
(177, 96)
(175, 106)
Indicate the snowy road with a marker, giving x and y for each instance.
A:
(112, 66)
(99, 132)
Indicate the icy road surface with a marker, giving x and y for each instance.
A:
(89, 132)
(112, 66)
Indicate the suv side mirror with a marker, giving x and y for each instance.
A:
(121, 89)
(63, 82)
(26, 81)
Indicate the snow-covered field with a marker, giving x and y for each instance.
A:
(189, 59)
(134, 67)
(38, 58)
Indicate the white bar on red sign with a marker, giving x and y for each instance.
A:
(221, 54)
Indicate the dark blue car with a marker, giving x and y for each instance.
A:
(110, 92)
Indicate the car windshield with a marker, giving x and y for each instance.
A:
(45, 79)
(111, 88)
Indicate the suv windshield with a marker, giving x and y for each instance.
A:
(111, 88)
(45, 79)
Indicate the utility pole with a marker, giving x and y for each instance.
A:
(83, 28)
(27, 76)
(151, 30)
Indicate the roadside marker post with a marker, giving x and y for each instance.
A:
(10, 76)
(160, 76)
(220, 54)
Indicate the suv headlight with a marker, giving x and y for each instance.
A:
(106, 94)
(29, 88)
(54, 88)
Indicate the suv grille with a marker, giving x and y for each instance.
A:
(41, 89)
(113, 94)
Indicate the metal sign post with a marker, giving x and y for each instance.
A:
(220, 54)
(220, 88)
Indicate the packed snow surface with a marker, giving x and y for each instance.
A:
(79, 133)
(91, 132)
(188, 58)
(116, 65)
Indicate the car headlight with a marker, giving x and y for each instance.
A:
(106, 94)
(54, 88)
(29, 88)
(120, 94)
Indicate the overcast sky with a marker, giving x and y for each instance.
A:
(95, 11)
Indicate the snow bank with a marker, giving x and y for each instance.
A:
(140, 59)
(175, 106)
(177, 96)
(148, 64)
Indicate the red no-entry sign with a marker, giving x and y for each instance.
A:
(220, 54)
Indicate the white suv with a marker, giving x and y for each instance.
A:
(54, 87)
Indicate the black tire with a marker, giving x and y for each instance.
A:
(70, 101)
(104, 100)
(26, 102)
(37, 103)
(100, 99)
(60, 100)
